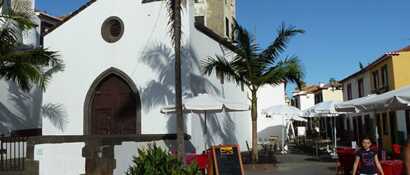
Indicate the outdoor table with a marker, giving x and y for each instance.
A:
(319, 143)
(392, 167)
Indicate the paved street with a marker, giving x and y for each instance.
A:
(296, 164)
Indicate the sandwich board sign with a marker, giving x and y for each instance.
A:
(225, 160)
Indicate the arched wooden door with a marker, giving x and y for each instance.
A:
(113, 108)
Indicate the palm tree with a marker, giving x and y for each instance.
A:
(255, 68)
(22, 64)
(174, 11)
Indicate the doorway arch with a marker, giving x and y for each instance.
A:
(112, 105)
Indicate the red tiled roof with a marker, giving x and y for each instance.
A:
(405, 49)
(380, 59)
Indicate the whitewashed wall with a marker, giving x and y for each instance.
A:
(18, 109)
(269, 96)
(86, 55)
(306, 101)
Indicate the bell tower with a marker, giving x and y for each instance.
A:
(218, 15)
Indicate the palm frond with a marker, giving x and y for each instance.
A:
(37, 56)
(47, 75)
(26, 67)
(284, 34)
(287, 70)
(21, 73)
(7, 40)
(247, 50)
(174, 9)
(19, 15)
(223, 69)
(56, 114)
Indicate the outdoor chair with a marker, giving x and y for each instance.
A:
(346, 159)
(396, 151)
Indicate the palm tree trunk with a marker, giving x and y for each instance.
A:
(178, 90)
(254, 112)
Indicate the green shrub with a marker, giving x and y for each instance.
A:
(156, 161)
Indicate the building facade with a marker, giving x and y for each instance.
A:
(117, 77)
(314, 94)
(218, 15)
(311, 95)
(388, 72)
(114, 64)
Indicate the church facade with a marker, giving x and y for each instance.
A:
(119, 73)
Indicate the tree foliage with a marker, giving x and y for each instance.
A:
(25, 65)
(256, 67)
(156, 161)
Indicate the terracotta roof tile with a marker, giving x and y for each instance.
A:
(405, 49)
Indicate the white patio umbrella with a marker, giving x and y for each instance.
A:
(392, 100)
(205, 103)
(325, 109)
(354, 106)
(287, 113)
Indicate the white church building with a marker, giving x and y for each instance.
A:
(119, 73)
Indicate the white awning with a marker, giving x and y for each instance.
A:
(206, 102)
(392, 100)
(288, 112)
(354, 106)
(323, 109)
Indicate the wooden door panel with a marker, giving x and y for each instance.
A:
(114, 108)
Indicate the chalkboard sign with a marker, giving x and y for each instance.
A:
(226, 160)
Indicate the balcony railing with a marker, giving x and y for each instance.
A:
(17, 153)
(380, 90)
(12, 153)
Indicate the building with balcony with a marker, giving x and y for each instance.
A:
(386, 73)
(314, 94)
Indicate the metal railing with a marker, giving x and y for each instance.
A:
(12, 153)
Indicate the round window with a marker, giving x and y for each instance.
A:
(112, 29)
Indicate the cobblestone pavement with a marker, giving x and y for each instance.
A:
(296, 164)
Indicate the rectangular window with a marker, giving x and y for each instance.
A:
(349, 92)
(318, 97)
(227, 24)
(375, 76)
(385, 76)
(200, 20)
(360, 87)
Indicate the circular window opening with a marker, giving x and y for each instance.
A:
(112, 29)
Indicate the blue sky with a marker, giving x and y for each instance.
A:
(339, 33)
